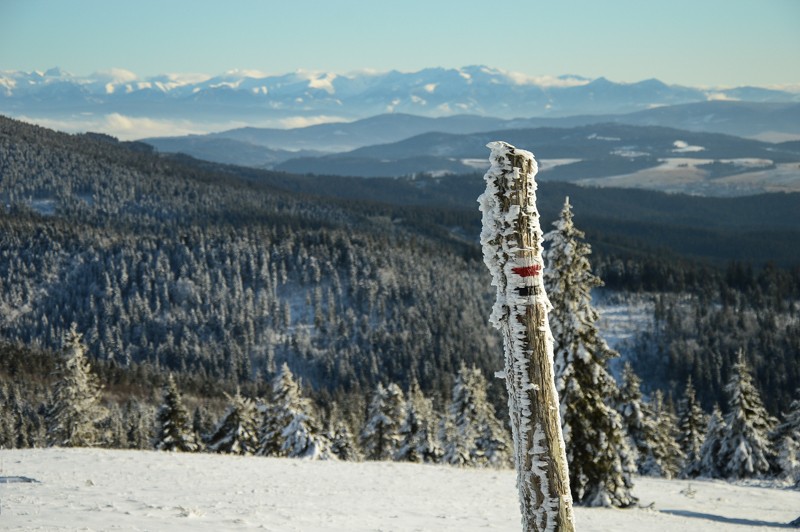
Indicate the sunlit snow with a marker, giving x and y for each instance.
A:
(90, 489)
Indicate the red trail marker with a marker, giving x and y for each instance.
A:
(527, 271)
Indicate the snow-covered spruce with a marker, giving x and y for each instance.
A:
(692, 425)
(477, 437)
(418, 439)
(636, 417)
(710, 460)
(600, 459)
(289, 427)
(237, 431)
(173, 426)
(666, 457)
(343, 444)
(649, 427)
(74, 413)
(787, 444)
(511, 238)
(745, 449)
(380, 436)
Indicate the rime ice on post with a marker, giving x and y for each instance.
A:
(512, 250)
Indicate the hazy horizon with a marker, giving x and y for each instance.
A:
(710, 44)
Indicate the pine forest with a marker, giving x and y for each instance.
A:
(152, 301)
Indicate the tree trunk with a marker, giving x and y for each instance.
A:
(512, 247)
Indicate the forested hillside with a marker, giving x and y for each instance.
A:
(160, 262)
(221, 274)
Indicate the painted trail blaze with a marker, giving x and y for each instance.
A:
(527, 271)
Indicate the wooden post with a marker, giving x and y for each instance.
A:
(512, 246)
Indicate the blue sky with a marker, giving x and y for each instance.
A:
(694, 42)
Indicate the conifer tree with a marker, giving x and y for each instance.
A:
(418, 441)
(202, 424)
(343, 444)
(114, 428)
(664, 458)
(710, 460)
(479, 438)
(380, 436)
(6, 421)
(787, 444)
(139, 423)
(75, 411)
(173, 426)
(692, 425)
(288, 427)
(637, 417)
(598, 454)
(237, 431)
(745, 450)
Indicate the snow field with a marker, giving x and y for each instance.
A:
(92, 489)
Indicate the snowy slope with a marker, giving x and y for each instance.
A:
(140, 490)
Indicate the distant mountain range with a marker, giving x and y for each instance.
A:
(304, 97)
(436, 121)
(619, 150)
(610, 154)
(765, 121)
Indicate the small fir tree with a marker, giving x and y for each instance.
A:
(237, 431)
(710, 460)
(745, 449)
(6, 427)
(380, 436)
(289, 427)
(788, 460)
(787, 444)
(599, 457)
(173, 426)
(343, 444)
(692, 426)
(637, 417)
(479, 438)
(114, 428)
(202, 424)
(75, 410)
(418, 442)
(664, 457)
(139, 424)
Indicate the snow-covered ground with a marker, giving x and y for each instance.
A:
(89, 489)
(686, 175)
(622, 316)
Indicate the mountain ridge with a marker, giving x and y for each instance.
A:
(313, 97)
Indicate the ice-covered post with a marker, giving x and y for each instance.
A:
(512, 250)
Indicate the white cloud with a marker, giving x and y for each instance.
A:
(324, 83)
(544, 81)
(167, 82)
(245, 73)
(304, 121)
(8, 84)
(444, 109)
(115, 75)
(127, 127)
(720, 96)
(681, 146)
(788, 87)
(124, 127)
